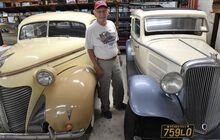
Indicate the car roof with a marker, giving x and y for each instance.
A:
(168, 11)
(86, 18)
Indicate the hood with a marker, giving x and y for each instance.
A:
(180, 50)
(30, 53)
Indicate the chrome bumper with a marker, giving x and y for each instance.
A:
(41, 136)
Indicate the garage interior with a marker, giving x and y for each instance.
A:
(12, 12)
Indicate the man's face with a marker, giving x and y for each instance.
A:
(101, 13)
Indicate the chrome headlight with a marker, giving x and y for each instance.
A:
(172, 83)
(45, 77)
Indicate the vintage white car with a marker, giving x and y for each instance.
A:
(174, 84)
(47, 81)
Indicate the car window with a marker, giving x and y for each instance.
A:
(175, 25)
(66, 29)
(136, 27)
(33, 30)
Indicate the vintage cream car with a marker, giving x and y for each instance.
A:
(174, 84)
(47, 82)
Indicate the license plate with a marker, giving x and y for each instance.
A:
(177, 130)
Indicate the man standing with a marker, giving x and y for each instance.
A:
(101, 43)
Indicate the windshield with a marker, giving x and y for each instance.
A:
(56, 29)
(175, 25)
(33, 30)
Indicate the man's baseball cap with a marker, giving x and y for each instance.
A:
(99, 4)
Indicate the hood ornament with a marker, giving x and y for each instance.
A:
(214, 56)
(69, 113)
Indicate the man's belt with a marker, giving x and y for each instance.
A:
(107, 59)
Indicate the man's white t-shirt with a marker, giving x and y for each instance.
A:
(102, 39)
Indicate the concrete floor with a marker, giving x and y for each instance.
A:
(110, 129)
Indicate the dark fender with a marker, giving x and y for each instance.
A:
(147, 99)
(130, 64)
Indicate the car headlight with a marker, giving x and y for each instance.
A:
(45, 77)
(172, 83)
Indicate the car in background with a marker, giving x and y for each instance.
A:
(174, 77)
(9, 33)
(47, 81)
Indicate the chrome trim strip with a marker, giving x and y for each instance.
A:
(192, 47)
(69, 60)
(41, 136)
(200, 62)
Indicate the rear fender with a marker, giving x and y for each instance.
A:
(147, 99)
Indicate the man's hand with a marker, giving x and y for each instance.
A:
(99, 72)
(98, 69)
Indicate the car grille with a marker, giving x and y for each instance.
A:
(202, 97)
(15, 102)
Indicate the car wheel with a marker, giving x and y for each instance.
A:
(129, 123)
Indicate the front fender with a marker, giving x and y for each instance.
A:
(147, 99)
(71, 99)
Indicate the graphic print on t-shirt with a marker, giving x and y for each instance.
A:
(108, 37)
